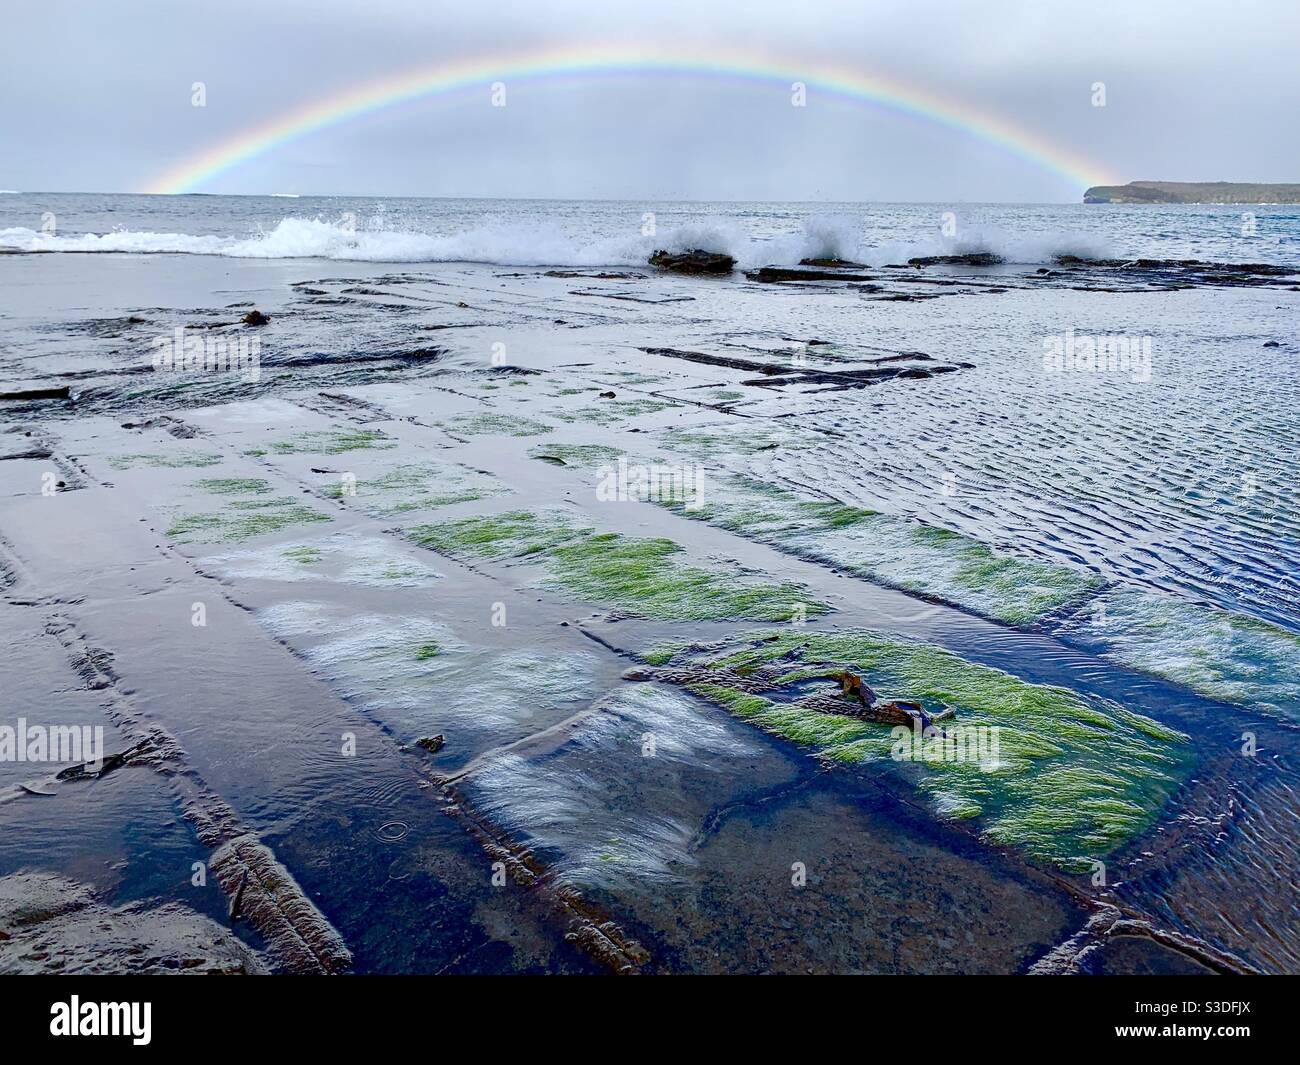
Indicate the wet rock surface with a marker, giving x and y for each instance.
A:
(53, 925)
(352, 521)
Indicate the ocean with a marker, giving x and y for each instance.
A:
(609, 233)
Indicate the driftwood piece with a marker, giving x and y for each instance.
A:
(891, 712)
(856, 688)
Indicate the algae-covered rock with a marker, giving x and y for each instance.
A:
(333, 442)
(924, 559)
(1217, 653)
(639, 576)
(418, 486)
(489, 424)
(249, 510)
(1066, 777)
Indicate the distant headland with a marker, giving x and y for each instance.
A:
(1192, 192)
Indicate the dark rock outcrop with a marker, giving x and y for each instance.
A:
(970, 258)
(695, 261)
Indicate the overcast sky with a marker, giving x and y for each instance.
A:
(96, 95)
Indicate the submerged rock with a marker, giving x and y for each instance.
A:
(695, 261)
(49, 924)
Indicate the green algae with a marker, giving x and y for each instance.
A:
(1021, 590)
(614, 411)
(307, 556)
(663, 653)
(332, 442)
(1074, 778)
(494, 537)
(419, 486)
(642, 576)
(495, 425)
(637, 575)
(1214, 652)
(168, 460)
(632, 378)
(831, 515)
(426, 651)
(934, 562)
(768, 512)
(272, 516)
(232, 486)
(933, 536)
(727, 440)
(574, 454)
(252, 514)
(346, 558)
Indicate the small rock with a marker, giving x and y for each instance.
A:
(432, 744)
(255, 317)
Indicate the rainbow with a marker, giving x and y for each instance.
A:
(610, 60)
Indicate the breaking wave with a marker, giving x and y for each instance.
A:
(547, 244)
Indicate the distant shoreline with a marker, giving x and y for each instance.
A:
(1212, 192)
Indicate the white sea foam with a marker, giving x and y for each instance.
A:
(549, 244)
(1013, 247)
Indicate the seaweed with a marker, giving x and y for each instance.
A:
(169, 460)
(637, 575)
(332, 442)
(1071, 778)
(495, 425)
